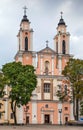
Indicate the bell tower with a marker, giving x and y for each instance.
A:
(61, 44)
(25, 42)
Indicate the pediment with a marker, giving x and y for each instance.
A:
(47, 50)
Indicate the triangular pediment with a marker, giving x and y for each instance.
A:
(47, 50)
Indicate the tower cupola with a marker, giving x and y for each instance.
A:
(25, 19)
(61, 21)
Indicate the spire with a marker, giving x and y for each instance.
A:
(61, 21)
(25, 16)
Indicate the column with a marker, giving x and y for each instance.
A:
(42, 89)
(52, 64)
(59, 114)
(31, 40)
(42, 118)
(41, 64)
(51, 118)
(71, 112)
(19, 112)
(6, 110)
(21, 41)
(59, 44)
(34, 112)
(34, 60)
(51, 90)
(60, 64)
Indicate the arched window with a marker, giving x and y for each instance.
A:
(63, 47)
(26, 44)
(46, 67)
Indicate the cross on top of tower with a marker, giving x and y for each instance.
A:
(47, 43)
(61, 14)
(25, 8)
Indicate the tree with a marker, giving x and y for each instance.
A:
(22, 80)
(2, 84)
(74, 72)
(2, 92)
(64, 94)
(81, 108)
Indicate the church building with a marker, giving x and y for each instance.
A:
(45, 107)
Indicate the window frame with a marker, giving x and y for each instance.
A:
(46, 87)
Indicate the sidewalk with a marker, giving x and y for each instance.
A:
(41, 127)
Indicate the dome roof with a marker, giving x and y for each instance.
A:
(61, 21)
(25, 19)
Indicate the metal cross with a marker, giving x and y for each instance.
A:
(25, 8)
(61, 14)
(47, 43)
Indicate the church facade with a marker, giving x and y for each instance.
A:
(45, 106)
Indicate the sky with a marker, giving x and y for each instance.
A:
(44, 16)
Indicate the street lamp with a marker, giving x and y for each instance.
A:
(60, 111)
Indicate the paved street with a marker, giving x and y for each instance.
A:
(41, 127)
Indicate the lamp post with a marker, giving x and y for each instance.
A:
(60, 111)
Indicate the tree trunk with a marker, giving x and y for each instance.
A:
(77, 109)
(13, 107)
(74, 105)
(74, 109)
(15, 120)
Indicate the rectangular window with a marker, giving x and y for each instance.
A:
(66, 108)
(46, 87)
(11, 116)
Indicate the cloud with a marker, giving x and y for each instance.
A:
(44, 16)
(76, 46)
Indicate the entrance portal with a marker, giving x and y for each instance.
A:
(27, 120)
(46, 119)
(66, 120)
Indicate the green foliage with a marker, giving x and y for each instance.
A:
(2, 85)
(22, 80)
(74, 72)
(63, 96)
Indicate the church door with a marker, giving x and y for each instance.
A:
(46, 119)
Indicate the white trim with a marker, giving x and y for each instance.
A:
(34, 113)
(59, 107)
(52, 66)
(59, 44)
(71, 112)
(60, 64)
(42, 118)
(51, 118)
(31, 41)
(6, 110)
(20, 115)
(41, 62)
